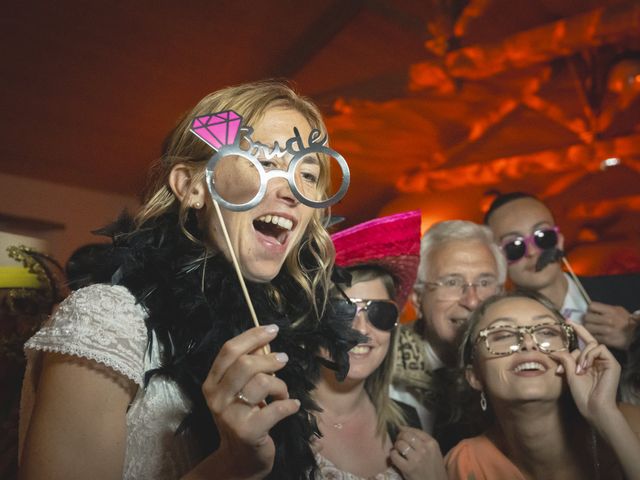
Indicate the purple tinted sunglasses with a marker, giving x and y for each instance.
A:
(543, 238)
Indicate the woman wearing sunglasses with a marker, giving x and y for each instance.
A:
(364, 432)
(552, 407)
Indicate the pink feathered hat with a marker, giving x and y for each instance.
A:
(392, 242)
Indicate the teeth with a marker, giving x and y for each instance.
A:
(276, 220)
(360, 349)
(530, 366)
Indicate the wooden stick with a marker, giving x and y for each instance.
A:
(581, 289)
(234, 260)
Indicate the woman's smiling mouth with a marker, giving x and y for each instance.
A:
(530, 368)
(274, 226)
(360, 350)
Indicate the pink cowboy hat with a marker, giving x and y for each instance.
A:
(391, 242)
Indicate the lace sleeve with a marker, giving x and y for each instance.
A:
(102, 323)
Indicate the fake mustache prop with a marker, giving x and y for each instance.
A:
(552, 255)
(548, 256)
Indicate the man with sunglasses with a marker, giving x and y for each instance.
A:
(460, 266)
(532, 243)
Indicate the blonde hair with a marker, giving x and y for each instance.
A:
(251, 101)
(389, 414)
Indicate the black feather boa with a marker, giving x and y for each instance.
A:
(165, 271)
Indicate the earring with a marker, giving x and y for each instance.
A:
(483, 402)
(196, 205)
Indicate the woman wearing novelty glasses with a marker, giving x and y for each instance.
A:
(156, 372)
(364, 432)
(552, 406)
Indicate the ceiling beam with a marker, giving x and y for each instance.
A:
(541, 44)
(378, 88)
(331, 22)
(576, 158)
(403, 19)
(589, 210)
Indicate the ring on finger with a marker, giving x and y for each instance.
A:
(240, 396)
(403, 453)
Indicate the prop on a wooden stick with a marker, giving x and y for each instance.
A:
(552, 255)
(238, 172)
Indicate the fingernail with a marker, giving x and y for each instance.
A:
(584, 365)
(273, 328)
(560, 369)
(297, 401)
(579, 369)
(282, 357)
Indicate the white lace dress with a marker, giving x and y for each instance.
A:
(328, 471)
(103, 323)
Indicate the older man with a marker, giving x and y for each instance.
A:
(525, 228)
(460, 265)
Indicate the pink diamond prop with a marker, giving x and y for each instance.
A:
(217, 129)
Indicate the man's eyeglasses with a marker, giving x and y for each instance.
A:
(503, 340)
(454, 288)
(382, 314)
(543, 238)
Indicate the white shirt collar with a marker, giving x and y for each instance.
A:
(431, 358)
(574, 306)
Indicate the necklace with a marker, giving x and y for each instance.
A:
(324, 414)
(325, 420)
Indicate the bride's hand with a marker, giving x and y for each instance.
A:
(235, 389)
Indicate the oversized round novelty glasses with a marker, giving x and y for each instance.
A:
(543, 238)
(381, 314)
(503, 340)
(454, 288)
(238, 173)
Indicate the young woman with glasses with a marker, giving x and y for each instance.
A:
(552, 406)
(364, 432)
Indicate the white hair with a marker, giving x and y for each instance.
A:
(451, 230)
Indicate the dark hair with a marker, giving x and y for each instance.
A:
(464, 408)
(630, 379)
(571, 416)
(503, 199)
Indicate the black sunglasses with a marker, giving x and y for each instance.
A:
(382, 314)
(544, 239)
